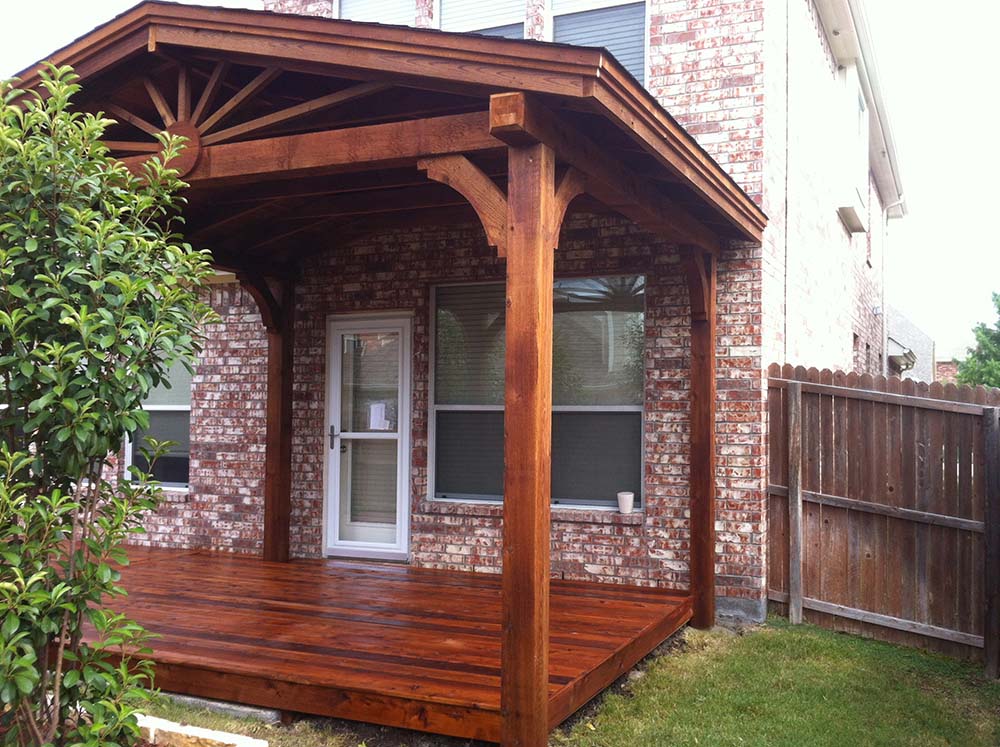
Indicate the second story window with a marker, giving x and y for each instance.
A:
(497, 18)
(394, 12)
(618, 27)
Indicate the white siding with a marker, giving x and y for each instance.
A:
(476, 15)
(396, 12)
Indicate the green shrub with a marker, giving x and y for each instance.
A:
(98, 298)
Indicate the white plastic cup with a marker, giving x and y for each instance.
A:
(626, 500)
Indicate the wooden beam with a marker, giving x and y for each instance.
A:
(517, 119)
(124, 115)
(991, 577)
(212, 87)
(277, 315)
(159, 102)
(527, 448)
(312, 106)
(183, 93)
(368, 147)
(701, 287)
(132, 146)
(264, 78)
(795, 503)
(486, 198)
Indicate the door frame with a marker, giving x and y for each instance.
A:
(402, 322)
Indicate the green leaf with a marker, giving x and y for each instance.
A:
(10, 625)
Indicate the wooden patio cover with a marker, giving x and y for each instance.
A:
(304, 126)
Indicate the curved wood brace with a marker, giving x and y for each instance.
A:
(486, 198)
(268, 304)
(572, 185)
(699, 282)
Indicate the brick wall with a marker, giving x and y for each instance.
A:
(946, 372)
(396, 271)
(224, 507)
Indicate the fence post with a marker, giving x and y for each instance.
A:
(795, 502)
(991, 577)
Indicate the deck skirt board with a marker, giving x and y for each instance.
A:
(388, 644)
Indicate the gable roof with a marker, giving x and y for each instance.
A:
(585, 83)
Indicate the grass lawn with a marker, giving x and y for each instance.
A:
(774, 685)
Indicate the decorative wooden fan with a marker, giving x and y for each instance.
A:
(201, 125)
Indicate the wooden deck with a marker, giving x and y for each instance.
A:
(387, 644)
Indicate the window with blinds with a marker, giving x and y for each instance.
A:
(597, 372)
(169, 411)
(497, 18)
(621, 29)
(394, 12)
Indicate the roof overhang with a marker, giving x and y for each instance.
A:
(582, 81)
(846, 26)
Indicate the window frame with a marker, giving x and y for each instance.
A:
(433, 408)
(586, 6)
(129, 451)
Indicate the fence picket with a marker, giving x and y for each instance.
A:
(883, 525)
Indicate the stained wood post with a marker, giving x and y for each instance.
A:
(991, 578)
(527, 448)
(701, 270)
(795, 502)
(278, 444)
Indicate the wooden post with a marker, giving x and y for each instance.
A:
(795, 502)
(277, 314)
(527, 447)
(991, 629)
(701, 271)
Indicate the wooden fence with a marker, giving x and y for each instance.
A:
(884, 508)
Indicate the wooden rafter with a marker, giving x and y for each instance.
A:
(294, 112)
(133, 119)
(262, 80)
(183, 93)
(486, 198)
(211, 90)
(156, 96)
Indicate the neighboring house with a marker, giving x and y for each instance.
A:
(784, 96)
(947, 371)
(910, 349)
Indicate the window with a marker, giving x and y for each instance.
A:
(169, 420)
(395, 12)
(597, 372)
(497, 18)
(620, 28)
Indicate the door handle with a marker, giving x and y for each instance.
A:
(334, 436)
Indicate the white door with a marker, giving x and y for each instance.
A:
(367, 492)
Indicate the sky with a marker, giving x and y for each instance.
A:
(944, 257)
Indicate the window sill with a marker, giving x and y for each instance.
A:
(561, 514)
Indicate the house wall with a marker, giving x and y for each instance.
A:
(223, 509)
(908, 334)
(396, 271)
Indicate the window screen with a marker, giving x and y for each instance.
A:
(621, 29)
(598, 341)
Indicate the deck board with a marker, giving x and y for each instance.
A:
(390, 644)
